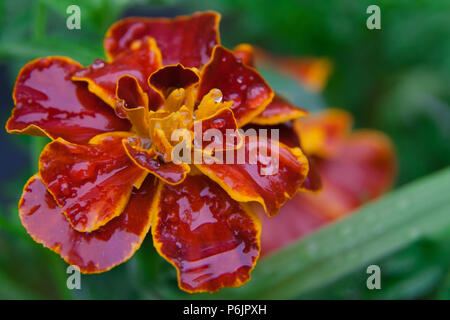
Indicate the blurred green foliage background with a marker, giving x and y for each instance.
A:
(396, 79)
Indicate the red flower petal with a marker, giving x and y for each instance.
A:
(323, 133)
(172, 77)
(132, 104)
(188, 40)
(249, 182)
(139, 61)
(91, 183)
(288, 137)
(279, 110)
(92, 252)
(209, 238)
(238, 83)
(130, 92)
(49, 103)
(313, 181)
(224, 122)
(149, 160)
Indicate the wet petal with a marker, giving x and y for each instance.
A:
(49, 103)
(313, 73)
(279, 110)
(220, 129)
(247, 174)
(288, 137)
(149, 160)
(91, 183)
(188, 40)
(168, 78)
(211, 240)
(139, 61)
(238, 83)
(95, 251)
(132, 104)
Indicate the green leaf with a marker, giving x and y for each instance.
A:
(378, 229)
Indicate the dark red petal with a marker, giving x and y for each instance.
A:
(92, 252)
(172, 77)
(287, 134)
(132, 104)
(91, 183)
(249, 182)
(188, 40)
(139, 61)
(222, 122)
(313, 181)
(49, 103)
(279, 110)
(149, 160)
(129, 90)
(238, 83)
(209, 238)
(288, 137)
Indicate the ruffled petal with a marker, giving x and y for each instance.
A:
(269, 179)
(92, 183)
(168, 78)
(323, 134)
(149, 160)
(188, 40)
(92, 252)
(210, 239)
(132, 104)
(221, 129)
(238, 83)
(48, 103)
(279, 110)
(139, 61)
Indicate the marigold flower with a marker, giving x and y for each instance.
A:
(109, 175)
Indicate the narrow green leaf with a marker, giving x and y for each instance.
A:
(378, 229)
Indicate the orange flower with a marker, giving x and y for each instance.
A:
(109, 173)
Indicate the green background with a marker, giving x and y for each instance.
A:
(396, 79)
